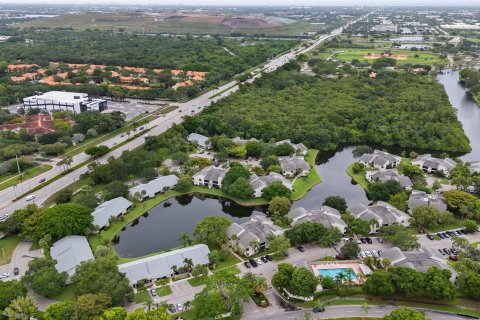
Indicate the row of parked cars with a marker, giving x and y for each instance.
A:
(366, 240)
(448, 234)
(175, 308)
(372, 253)
(255, 263)
(449, 252)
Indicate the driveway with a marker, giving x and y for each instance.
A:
(20, 258)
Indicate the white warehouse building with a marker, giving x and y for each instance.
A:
(60, 100)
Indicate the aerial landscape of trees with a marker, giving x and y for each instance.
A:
(393, 109)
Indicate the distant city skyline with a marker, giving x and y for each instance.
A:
(433, 3)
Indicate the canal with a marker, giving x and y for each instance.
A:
(159, 229)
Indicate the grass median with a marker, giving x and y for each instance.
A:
(27, 174)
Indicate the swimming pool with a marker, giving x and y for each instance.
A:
(333, 272)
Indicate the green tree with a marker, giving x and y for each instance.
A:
(185, 239)
(91, 306)
(60, 311)
(379, 283)
(381, 191)
(282, 278)
(102, 276)
(303, 283)
(284, 149)
(278, 244)
(408, 281)
(269, 161)
(359, 226)
(97, 151)
(9, 290)
(65, 219)
(402, 314)
(63, 196)
(425, 216)
(200, 271)
(235, 172)
(184, 183)
(21, 308)
(279, 205)
(460, 201)
(438, 284)
(350, 250)
(212, 230)
(44, 278)
(115, 189)
(469, 284)
(254, 148)
(361, 150)
(336, 202)
(257, 282)
(14, 223)
(399, 236)
(115, 313)
(276, 189)
(156, 314)
(240, 188)
(471, 226)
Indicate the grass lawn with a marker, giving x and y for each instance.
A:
(163, 291)
(358, 177)
(67, 294)
(168, 109)
(413, 57)
(142, 297)
(303, 184)
(186, 315)
(195, 282)
(7, 245)
(442, 227)
(28, 174)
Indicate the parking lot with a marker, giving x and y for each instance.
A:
(132, 108)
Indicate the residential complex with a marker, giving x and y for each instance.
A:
(69, 252)
(327, 216)
(381, 214)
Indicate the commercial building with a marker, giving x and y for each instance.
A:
(61, 100)
(70, 252)
(160, 265)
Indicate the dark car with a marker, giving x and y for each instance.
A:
(369, 241)
(446, 251)
(380, 240)
(301, 248)
(458, 233)
(363, 240)
(246, 264)
(285, 253)
(429, 236)
(445, 235)
(340, 257)
(172, 308)
(253, 263)
(269, 257)
(318, 309)
(16, 271)
(440, 236)
(441, 251)
(463, 231)
(454, 252)
(42, 180)
(264, 259)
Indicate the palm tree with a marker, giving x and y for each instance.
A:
(365, 309)
(175, 269)
(254, 245)
(184, 239)
(21, 308)
(339, 278)
(350, 274)
(260, 285)
(386, 263)
(188, 264)
(369, 261)
(149, 304)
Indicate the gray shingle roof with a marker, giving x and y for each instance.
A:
(155, 186)
(160, 265)
(199, 139)
(110, 208)
(293, 163)
(421, 198)
(69, 252)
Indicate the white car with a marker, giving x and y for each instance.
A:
(375, 253)
(6, 275)
(179, 307)
(368, 253)
(30, 197)
(259, 262)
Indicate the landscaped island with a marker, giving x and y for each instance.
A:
(400, 109)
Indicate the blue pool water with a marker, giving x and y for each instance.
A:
(332, 273)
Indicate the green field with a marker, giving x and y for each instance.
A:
(27, 174)
(414, 57)
(67, 294)
(7, 246)
(163, 291)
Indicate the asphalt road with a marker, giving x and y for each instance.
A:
(158, 126)
(20, 258)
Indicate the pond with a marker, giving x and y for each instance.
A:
(159, 230)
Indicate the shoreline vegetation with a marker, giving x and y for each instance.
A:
(302, 186)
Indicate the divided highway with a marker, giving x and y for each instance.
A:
(157, 126)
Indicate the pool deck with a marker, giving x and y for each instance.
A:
(348, 264)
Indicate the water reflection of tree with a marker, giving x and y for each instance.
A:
(184, 200)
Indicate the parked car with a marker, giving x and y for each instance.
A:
(447, 251)
(440, 236)
(441, 251)
(369, 240)
(285, 253)
(264, 259)
(463, 231)
(269, 257)
(42, 180)
(246, 264)
(179, 307)
(301, 248)
(445, 235)
(153, 292)
(363, 240)
(454, 252)
(6, 275)
(429, 236)
(259, 261)
(380, 240)
(172, 308)
(253, 263)
(30, 197)
(123, 135)
(16, 271)
(319, 309)
(375, 253)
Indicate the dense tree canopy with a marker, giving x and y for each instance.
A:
(44, 278)
(392, 109)
(212, 230)
(9, 290)
(65, 219)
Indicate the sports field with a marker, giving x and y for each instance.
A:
(412, 57)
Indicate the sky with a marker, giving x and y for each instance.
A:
(265, 2)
